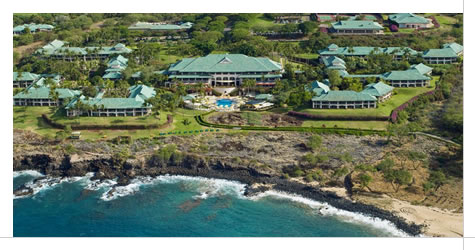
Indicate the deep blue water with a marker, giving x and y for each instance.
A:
(224, 102)
(174, 207)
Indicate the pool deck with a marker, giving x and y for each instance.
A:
(209, 103)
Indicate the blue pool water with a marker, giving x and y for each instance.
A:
(180, 206)
(224, 102)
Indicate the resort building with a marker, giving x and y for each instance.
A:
(41, 96)
(225, 70)
(409, 20)
(160, 26)
(356, 28)
(114, 68)
(20, 29)
(361, 51)
(344, 99)
(406, 78)
(57, 50)
(379, 90)
(133, 105)
(333, 62)
(24, 79)
(422, 68)
(449, 53)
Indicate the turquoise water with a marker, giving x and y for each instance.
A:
(224, 102)
(176, 206)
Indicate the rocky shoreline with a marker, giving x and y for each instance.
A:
(105, 168)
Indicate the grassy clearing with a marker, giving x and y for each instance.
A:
(29, 118)
(384, 109)
(307, 55)
(261, 21)
(376, 125)
(60, 117)
(168, 59)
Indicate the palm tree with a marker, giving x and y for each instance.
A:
(249, 83)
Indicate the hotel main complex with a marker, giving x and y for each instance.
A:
(229, 70)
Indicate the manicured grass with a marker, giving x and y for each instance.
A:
(60, 117)
(383, 109)
(261, 21)
(29, 118)
(376, 125)
(446, 20)
(168, 59)
(180, 115)
(307, 55)
(219, 52)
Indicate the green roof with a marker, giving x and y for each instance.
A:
(225, 63)
(377, 89)
(43, 93)
(56, 47)
(260, 76)
(160, 26)
(362, 75)
(25, 76)
(326, 17)
(264, 97)
(357, 25)
(112, 75)
(118, 61)
(333, 49)
(112, 103)
(333, 62)
(447, 52)
(319, 87)
(408, 18)
(457, 48)
(189, 76)
(143, 91)
(344, 95)
(33, 27)
(406, 75)
(422, 68)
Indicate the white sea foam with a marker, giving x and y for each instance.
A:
(27, 172)
(46, 184)
(205, 186)
(326, 210)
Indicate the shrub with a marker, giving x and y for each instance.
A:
(337, 117)
(315, 142)
(393, 28)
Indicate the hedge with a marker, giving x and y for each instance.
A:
(58, 125)
(395, 112)
(337, 118)
(350, 131)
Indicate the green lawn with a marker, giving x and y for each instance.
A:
(131, 120)
(29, 118)
(219, 52)
(446, 20)
(307, 55)
(261, 21)
(383, 109)
(376, 125)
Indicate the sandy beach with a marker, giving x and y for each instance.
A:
(439, 223)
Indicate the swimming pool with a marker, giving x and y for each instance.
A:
(224, 102)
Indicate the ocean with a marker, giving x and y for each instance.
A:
(177, 206)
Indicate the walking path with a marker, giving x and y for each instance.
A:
(437, 138)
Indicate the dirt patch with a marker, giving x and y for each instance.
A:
(254, 118)
(28, 49)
